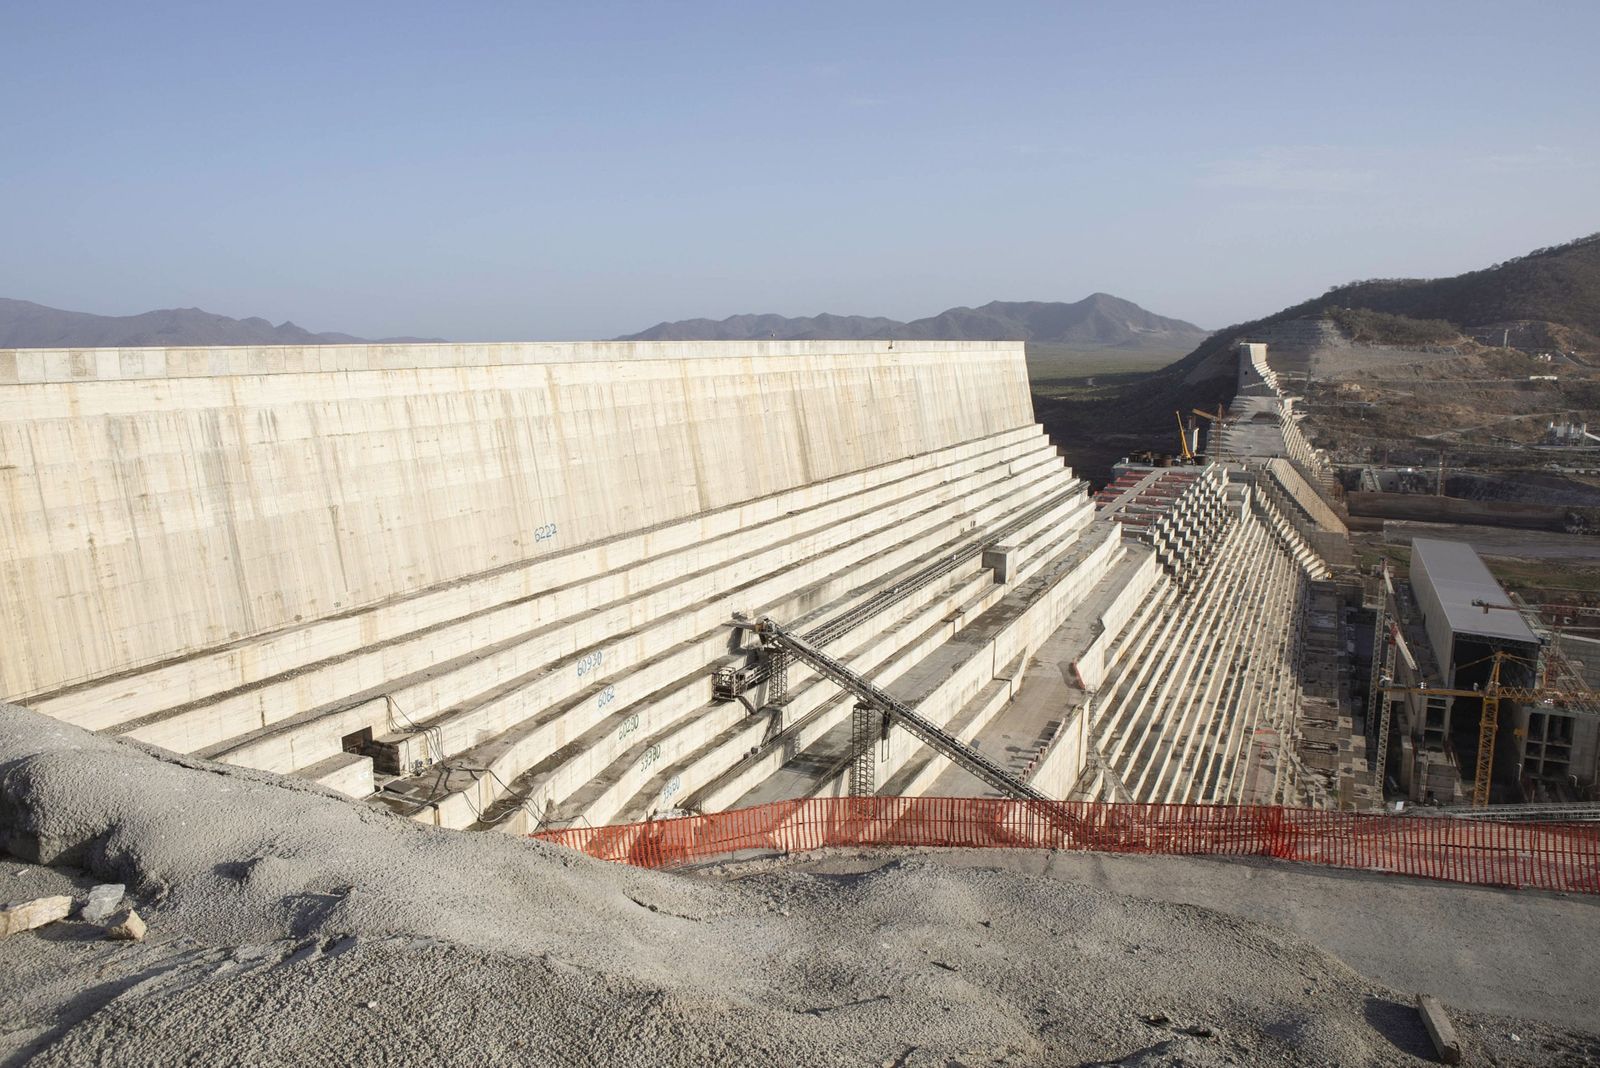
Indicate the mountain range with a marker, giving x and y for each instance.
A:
(26, 325)
(1098, 321)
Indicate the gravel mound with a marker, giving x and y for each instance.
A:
(289, 925)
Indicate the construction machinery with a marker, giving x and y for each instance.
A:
(1491, 695)
(777, 640)
(876, 710)
(1218, 419)
(730, 683)
(1386, 639)
(1183, 439)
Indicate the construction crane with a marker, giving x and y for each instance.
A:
(1535, 612)
(1183, 439)
(1218, 419)
(1489, 722)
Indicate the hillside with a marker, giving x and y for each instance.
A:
(24, 324)
(1549, 297)
(1099, 321)
(1559, 285)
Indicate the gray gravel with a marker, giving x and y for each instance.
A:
(291, 926)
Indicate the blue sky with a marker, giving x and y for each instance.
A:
(504, 171)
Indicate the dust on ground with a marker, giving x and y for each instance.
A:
(1499, 541)
(292, 926)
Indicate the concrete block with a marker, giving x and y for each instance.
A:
(1001, 559)
(1440, 1030)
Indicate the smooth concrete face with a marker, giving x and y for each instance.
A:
(161, 502)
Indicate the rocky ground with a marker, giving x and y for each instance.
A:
(290, 926)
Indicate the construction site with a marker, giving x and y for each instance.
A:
(523, 587)
(548, 589)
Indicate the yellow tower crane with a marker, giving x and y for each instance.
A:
(1218, 419)
(1489, 722)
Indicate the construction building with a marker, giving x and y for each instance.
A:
(1444, 640)
(1468, 617)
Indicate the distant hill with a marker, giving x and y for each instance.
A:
(1559, 285)
(1556, 290)
(748, 327)
(1096, 322)
(26, 325)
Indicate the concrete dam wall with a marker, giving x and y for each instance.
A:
(163, 502)
(494, 581)
(489, 586)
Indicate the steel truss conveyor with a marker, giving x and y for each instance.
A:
(731, 682)
(779, 641)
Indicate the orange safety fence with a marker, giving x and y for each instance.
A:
(1544, 856)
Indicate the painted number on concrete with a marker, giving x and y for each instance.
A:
(651, 755)
(544, 533)
(674, 784)
(605, 697)
(590, 663)
(629, 725)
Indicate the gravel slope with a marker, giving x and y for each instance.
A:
(290, 926)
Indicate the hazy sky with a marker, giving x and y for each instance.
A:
(522, 170)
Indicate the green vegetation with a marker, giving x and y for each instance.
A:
(1381, 328)
(1057, 369)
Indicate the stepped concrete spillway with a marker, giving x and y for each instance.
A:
(488, 586)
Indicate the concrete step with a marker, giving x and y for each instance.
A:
(508, 750)
(466, 665)
(943, 680)
(100, 703)
(666, 749)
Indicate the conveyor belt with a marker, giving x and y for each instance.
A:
(731, 683)
(934, 736)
